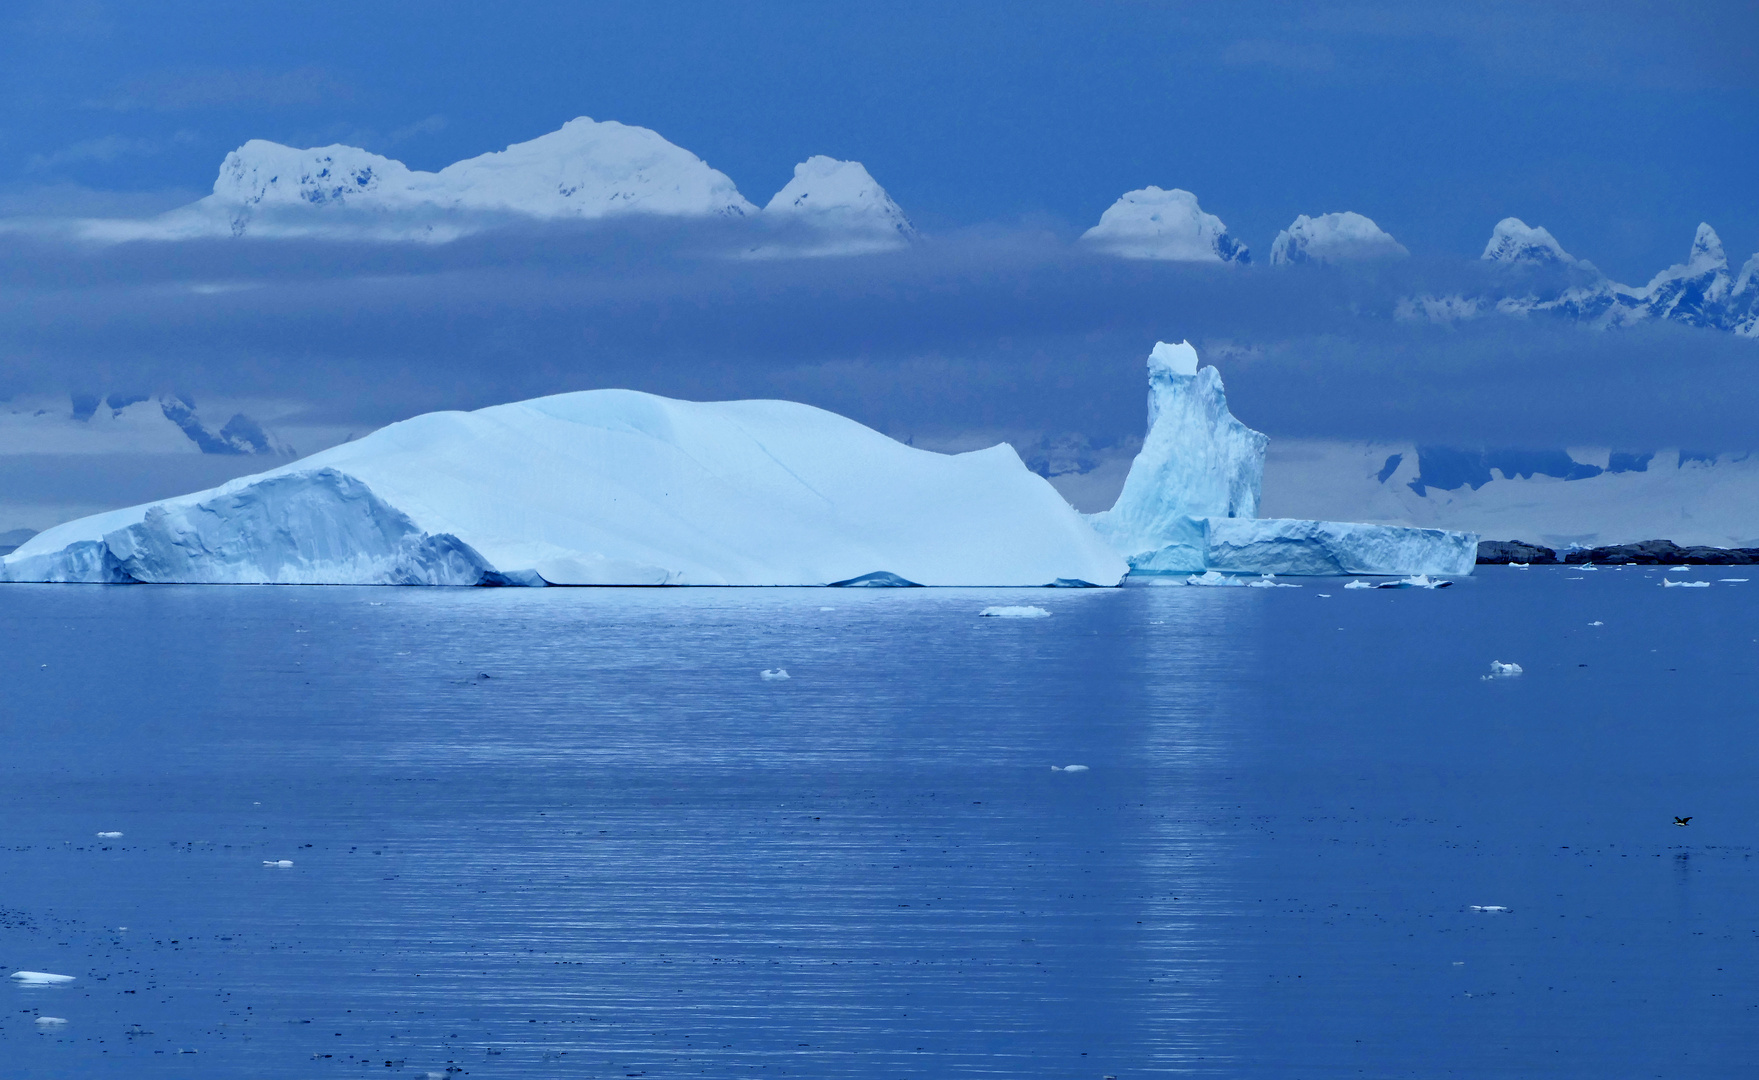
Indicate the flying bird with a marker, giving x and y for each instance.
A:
(1682, 822)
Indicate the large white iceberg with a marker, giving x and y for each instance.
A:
(602, 487)
(1190, 501)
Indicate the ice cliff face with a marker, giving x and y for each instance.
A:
(1155, 224)
(845, 209)
(1698, 292)
(607, 487)
(1191, 498)
(1333, 238)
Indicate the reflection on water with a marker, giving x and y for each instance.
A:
(574, 832)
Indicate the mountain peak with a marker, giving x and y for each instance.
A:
(1332, 238)
(841, 198)
(1707, 253)
(1150, 223)
(1514, 241)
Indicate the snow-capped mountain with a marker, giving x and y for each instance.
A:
(1698, 292)
(127, 423)
(1333, 238)
(1514, 241)
(843, 205)
(587, 170)
(1155, 224)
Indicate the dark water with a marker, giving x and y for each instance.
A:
(623, 853)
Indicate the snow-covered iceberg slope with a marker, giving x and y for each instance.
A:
(602, 487)
(1190, 501)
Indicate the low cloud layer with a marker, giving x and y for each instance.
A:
(992, 331)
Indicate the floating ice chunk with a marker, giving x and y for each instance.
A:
(1596, 622)
(40, 978)
(1013, 613)
(1497, 667)
(1521, 566)
(774, 674)
(109, 836)
(1588, 568)
(279, 863)
(1269, 581)
(1325, 596)
(1359, 585)
(1416, 581)
(51, 1021)
(1679, 569)
(1213, 578)
(1732, 579)
(1489, 909)
(1068, 768)
(1670, 583)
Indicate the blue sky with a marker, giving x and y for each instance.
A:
(1618, 126)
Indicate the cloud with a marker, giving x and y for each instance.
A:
(104, 150)
(993, 332)
(431, 125)
(200, 88)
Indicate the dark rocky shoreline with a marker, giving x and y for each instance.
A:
(1647, 553)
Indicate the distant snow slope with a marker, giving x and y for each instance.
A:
(1556, 498)
(1514, 241)
(607, 487)
(1333, 238)
(126, 423)
(1155, 224)
(845, 209)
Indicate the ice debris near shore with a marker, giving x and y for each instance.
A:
(1190, 501)
(601, 487)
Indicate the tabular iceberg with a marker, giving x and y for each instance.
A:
(602, 487)
(1189, 502)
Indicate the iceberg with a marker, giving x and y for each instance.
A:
(1153, 224)
(1333, 238)
(1190, 502)
(601, 487)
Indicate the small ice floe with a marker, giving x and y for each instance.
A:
(1358, 584)
(51, 1021)
(1488, 909)
(1732, 579)
(1324, 595)
(1416, 581)
(1013, 613)
(1269, 581)
(1068, 768)
(773, 674)
(1500, 670)
(1521, 566)
(109, 836)
(280, 864)
(1596, 622)
(1212, 578)
(1588, 568)
(1670, 583)
(1679, 569)
(827, 609)
(40, 978)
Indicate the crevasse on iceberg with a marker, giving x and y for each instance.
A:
(602, 487)
(1189, 502)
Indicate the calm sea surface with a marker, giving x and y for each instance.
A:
(572, 832)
